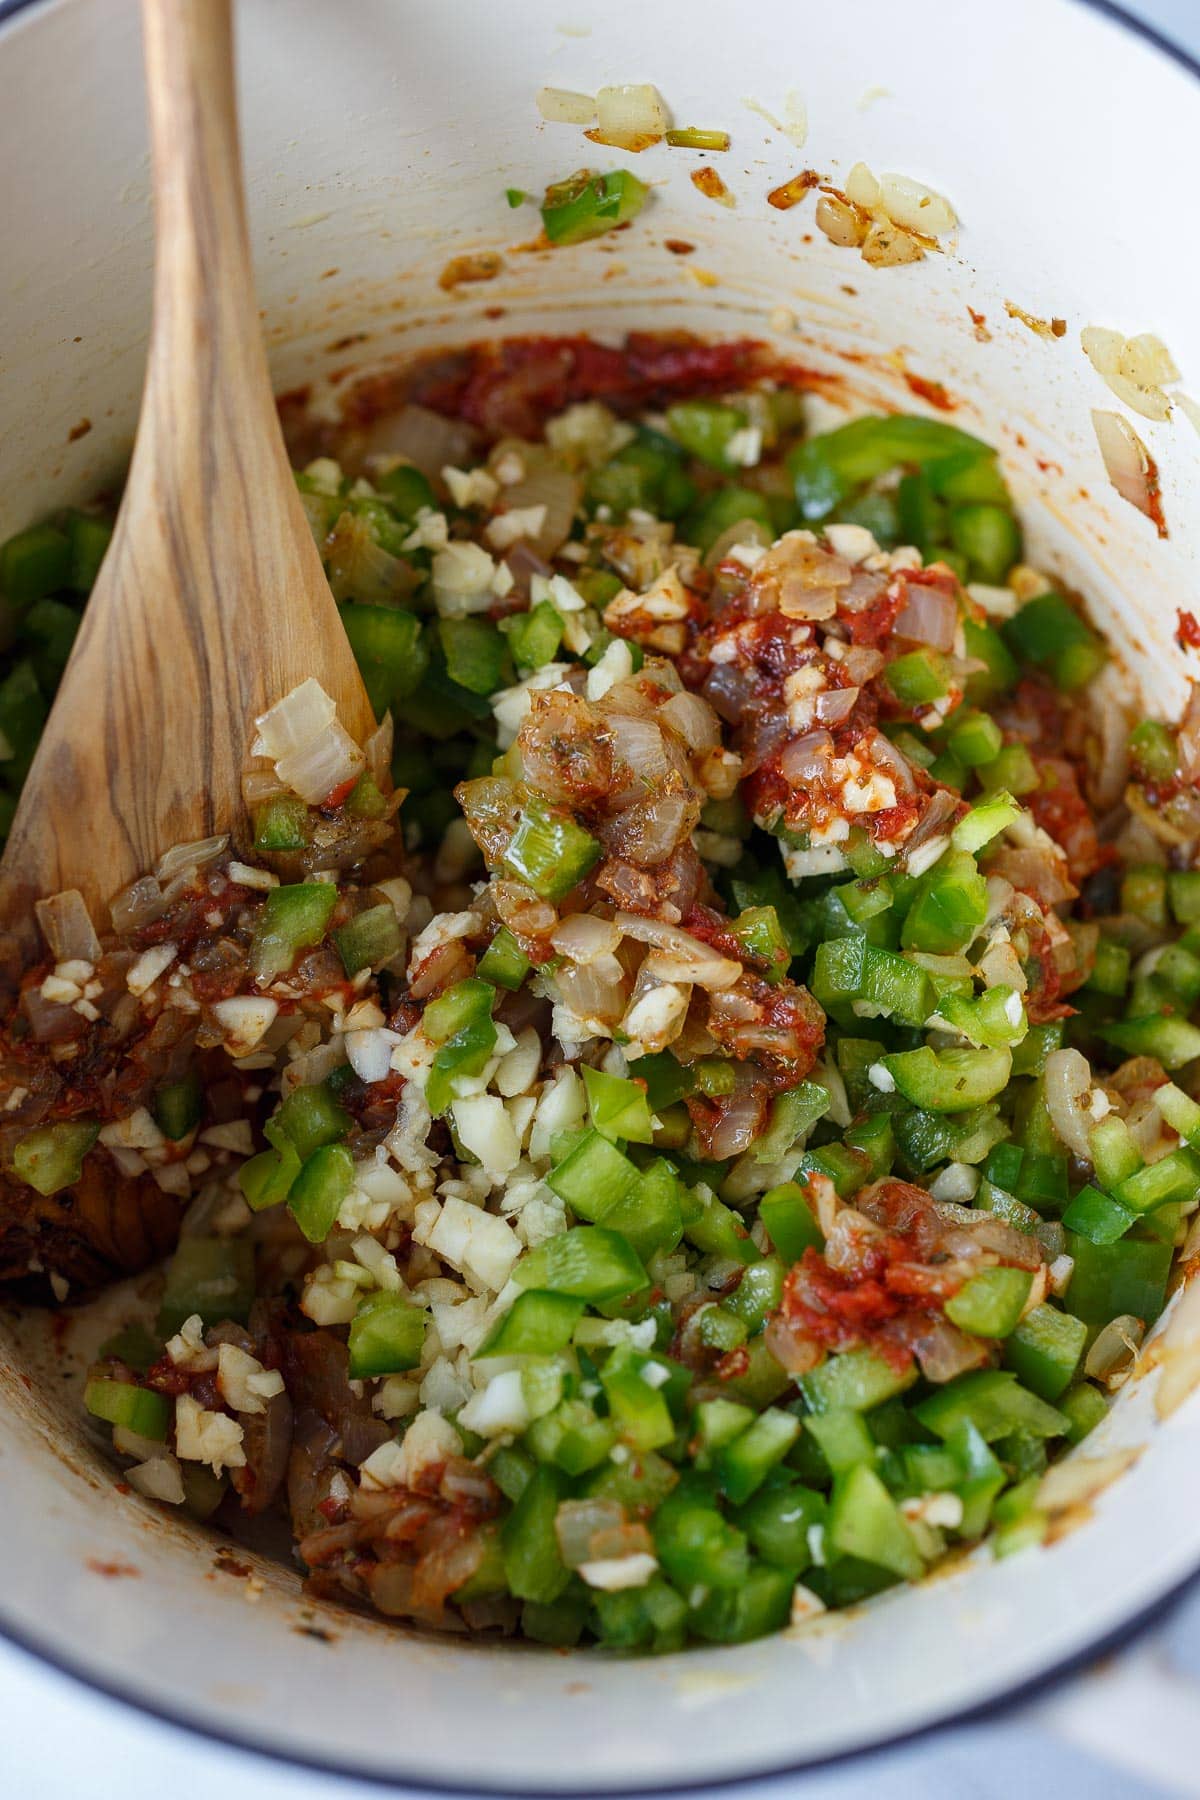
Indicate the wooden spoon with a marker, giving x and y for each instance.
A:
(211, 603)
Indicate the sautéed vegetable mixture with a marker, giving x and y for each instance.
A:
(679, 1129)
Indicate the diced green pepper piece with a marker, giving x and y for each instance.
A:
(989, 538)
(476, 653)
(50, 1157)
(504, 962)
(1047, 631)
(370, 940)
(587, 1261)
(1044, 1350)
(649, 1214)
(981, 1480)
(716, 1229)
(536, 1324)
(984, 644)
(1181, 1112)
(636, 1406)
(704, 428)
(559, 1624)
(865, 1521)
(695, 1544)
(572, 1437)
(178, 1106)
(718, 1422)
(761, 937)
(652, 1618)
(778, 1521)
(993, 1401)
(793, 1114)
(724, 507)
(986, 820)
(854, 1379)
(1175, 1177)
(1085, 1406)
(759, 1606)
(994, 1020)
(292, 919)
(826, 468)
(22, 716)
(133, 1408)
(35, 562)
(1183, 889)
(533, 1564)
(49, 630)
(974, 738)
(390, 651)
(849, 970)
(318, 1191)
(211, 1276)
(534, 636)
(311, 1118)
(1109, 1280)
(918, 677)
(790, 1222)
(266, 1179)
(386, 1335)
(743, 1464)
(1170, 1039)
(133, 1345)
(843, 1436)
(90, 535)
(948, 906)
(1013, 771)
(593, 1177)
(949, 1080)
(586, 205)
(757, 1293)
(407, 488)
(281, 823)
(549, 851)
(1097, 1217)
(618, 1108)
(1110, 971)
(990, 1304)
(666, 1079)
(1153, 751)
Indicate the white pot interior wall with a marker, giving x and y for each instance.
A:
(378, 142)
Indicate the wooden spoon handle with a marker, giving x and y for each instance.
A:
(209, 444)
(212, 602)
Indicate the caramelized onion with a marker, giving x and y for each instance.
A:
(928, 616)
(807, 758)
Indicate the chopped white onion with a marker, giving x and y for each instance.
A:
(1115, 1347)
(632, 116)
(862, 187)
(915, 207)
(1126, 459)
(1132, 368)
(1068, 1096)
(66, 925)
(561, 106)
(583, 938)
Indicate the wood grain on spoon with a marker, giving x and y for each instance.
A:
(212, 602)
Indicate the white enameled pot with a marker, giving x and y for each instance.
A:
(379, 138)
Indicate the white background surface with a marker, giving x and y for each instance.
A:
(1122, 1731)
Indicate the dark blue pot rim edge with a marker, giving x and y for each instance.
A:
(1119, 1637)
